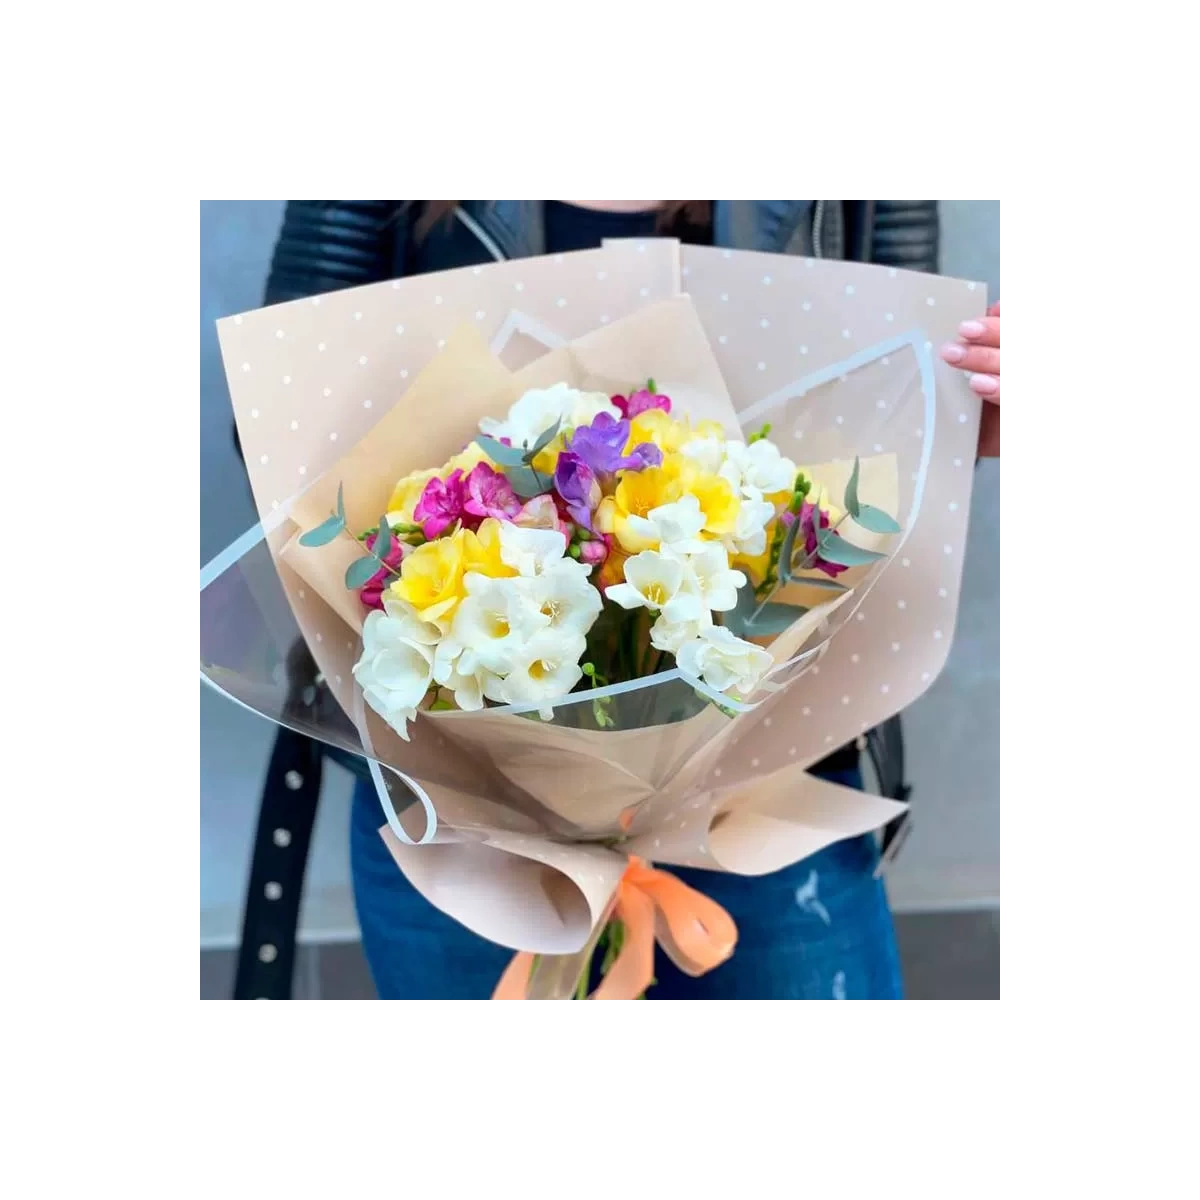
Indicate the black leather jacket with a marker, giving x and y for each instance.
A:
(329, 244)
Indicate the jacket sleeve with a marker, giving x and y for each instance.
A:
(906, 233)
(325, 245)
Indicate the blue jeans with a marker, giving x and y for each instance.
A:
(818, 930)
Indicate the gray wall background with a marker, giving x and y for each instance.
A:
(952, 733)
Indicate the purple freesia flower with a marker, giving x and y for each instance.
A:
(640, 402)
(489, 494)
(441, 503)
(601, 447)
(577, 484)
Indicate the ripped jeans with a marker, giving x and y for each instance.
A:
(818, 930)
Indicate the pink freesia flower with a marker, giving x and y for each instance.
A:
(542, 513)
(441, 503)
(371, 593)
(808, 527)
(593, 552)
(489, 494)
(640, 402)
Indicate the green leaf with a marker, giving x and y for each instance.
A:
(821, 582)
(875, 520)
(748, 620)
(785, 552)
(836, 549)
(383, 543)
(547, 437)
(852, 505)
(526, 482)
(506, 456)
(324, 533)
(359, 571)
(651, 387)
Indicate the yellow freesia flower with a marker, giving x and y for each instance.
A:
(636, 494)
(755, 565)
(405, 496)
(654, 425)
(718, 501)
(481, 551)
(546, 459)
(431, 579)
(464, 460)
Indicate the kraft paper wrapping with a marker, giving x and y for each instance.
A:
(706, 791)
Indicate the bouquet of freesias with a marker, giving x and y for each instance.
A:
(572, 614)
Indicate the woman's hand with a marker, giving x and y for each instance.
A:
(978, 351)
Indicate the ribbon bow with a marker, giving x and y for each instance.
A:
(696, 932)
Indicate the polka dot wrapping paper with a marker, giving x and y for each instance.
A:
(836, 357)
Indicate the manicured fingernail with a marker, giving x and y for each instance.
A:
(970, 328)
(985, 385)
(953, 353)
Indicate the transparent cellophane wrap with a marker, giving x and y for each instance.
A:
(524, 824)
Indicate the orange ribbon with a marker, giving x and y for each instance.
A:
(696, 932)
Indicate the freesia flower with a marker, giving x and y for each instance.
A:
(718, 500)
(448, 672)
(489, 494)
(595, 550)
(668, 433)
(541, 512)
(675, 526)
(754, 515)
(637, 493)
(540, 408)
(723, 661)
(640, 402)
(496, 618)
(545, 669)
(531, 551)
(395, 668)
(405, 496)
(760, 466)
(466, 460)
(576, 483)
(431, 578)
(601, 445)
(441, 503)
(808, 527)
(563, 595)
(713, 579)
(371, 593)
(481, 550)
(657, 582)
(670, 635)
(708, 453)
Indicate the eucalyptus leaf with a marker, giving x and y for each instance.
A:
(383, 542)
(525, 481)
(836, 549)
(852, 504)
(360, 571)
(785, 551)
(748, 619)
(506, 456)
(821, 582)
(547, 437)
(876, 520)
(341, 508)
(324, 533)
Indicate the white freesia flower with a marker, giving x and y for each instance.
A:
(754, 515)
(562, 596)
(675, 527)
(530, 551)
(450, 671)
(545, 669)
(723, 661)
(540, 408)
(495, 618)
(711, 577)
(761, 466)
(708, 453)
(396, 665)
(657, 581)
(670, 635)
